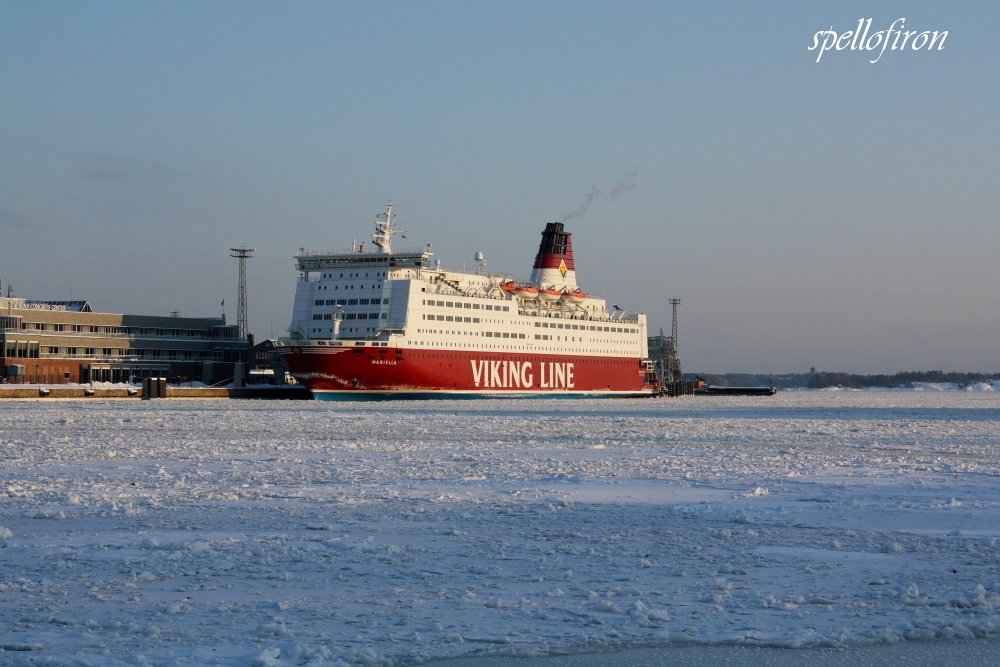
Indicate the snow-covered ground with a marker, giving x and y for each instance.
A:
(273, 533)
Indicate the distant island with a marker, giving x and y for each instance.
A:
(820, 380)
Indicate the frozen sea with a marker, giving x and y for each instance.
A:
(181, 532)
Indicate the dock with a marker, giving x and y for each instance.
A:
(271, 392)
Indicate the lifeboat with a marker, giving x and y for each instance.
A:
(510, 287)
(549, 295)
(526, 292)
(574, 298)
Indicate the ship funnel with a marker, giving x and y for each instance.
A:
(554, 267)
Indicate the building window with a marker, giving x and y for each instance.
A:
(89, 351)
(53, 350)
(318, 316)
(71, 350)
(32, 350)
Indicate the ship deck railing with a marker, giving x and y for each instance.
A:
(341, 252)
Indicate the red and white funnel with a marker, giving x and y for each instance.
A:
(554, 262)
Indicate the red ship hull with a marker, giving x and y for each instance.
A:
(360, 373)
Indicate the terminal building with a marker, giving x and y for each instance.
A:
(53, 342)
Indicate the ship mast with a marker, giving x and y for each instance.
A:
(383, 229)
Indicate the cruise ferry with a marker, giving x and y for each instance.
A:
(377, 322)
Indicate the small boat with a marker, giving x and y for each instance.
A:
(549, 295)
(574, 298)
(526, 292)
(510, 287)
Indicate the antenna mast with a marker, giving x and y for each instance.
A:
(242, 254)
(383, 229)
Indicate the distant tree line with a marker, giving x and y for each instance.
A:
(819, 380)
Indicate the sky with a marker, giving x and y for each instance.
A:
(840, 214)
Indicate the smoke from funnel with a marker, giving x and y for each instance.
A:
(623, 186)
(588, 200)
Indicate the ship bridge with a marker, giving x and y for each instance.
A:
(308, 261)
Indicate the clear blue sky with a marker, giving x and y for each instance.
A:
(838, 214)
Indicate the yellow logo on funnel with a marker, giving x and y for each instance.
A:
(562, 267)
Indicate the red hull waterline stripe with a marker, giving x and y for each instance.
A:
(370, 374)
(416, 395)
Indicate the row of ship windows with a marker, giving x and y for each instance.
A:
(351, 316)
(583, 327)
(345, 330)
(347, 287)
(520, 347)
(378, 274)
(349, 302)
(488, 334)
(495, 334)
(458, 304)
(553, 325)
(452, 318)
